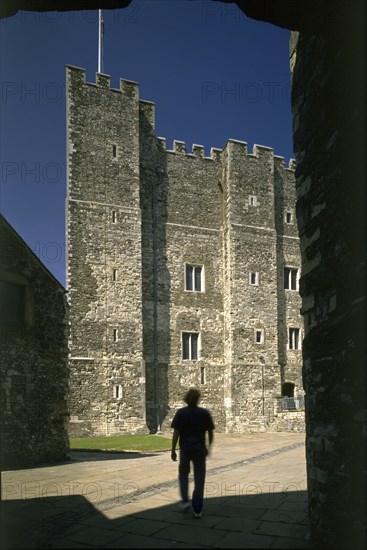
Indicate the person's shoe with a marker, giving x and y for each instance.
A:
(197, 514)
(184, 506)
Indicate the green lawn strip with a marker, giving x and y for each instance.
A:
(122, 443)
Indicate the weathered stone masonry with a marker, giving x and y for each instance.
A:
(138, 214)
(33, 357)
(329, 139)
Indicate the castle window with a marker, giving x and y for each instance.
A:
(114, 275)
(290, 278)
(252, 200)
(253, 278)
(194, 278)
(114, 216)
(294, 340)
(202, 375)
(289, 217)
(117, 391)
(115, 334)
(114, 151)
(259, 336)
(288, 389)
(190, 345)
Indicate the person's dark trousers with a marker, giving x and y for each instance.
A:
(198, 458)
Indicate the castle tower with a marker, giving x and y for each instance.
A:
(107, 372)
(183, 271)
(261, 248)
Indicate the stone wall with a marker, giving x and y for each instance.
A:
(329, 138)
(34, 372)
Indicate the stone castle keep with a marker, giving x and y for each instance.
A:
(183, 271)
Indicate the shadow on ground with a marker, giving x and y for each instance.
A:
(267, 520)
(82, 455)
(95, 456)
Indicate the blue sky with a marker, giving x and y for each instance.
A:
(213, 73)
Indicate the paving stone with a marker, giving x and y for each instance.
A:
(67, 543)
(138, 541)
(238, 524)
(143, 526)
(229, 511)
(300, 506)
(159, 513)
(94, 536)
(244, 540)
(284, 542)
(186, 546)
(286, 516)
(100, 520)
(253, 501)
(282, 530)
(186, 518)
(192, 534)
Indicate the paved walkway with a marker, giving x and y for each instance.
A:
(255, 498)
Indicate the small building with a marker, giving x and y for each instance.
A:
(33, 357)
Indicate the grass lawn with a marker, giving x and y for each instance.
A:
(144, 443)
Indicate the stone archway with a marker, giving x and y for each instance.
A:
(328, 101)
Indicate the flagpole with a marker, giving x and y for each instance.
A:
(100, 37)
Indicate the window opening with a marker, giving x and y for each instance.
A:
(288, 389)
(190, 345)
(294, 338)
(117, 391)
(194, 278)
(290, 278)
(289, 217)
(254, 278)
(202, 375)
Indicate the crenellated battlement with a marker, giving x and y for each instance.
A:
(130, 89)
(197, 151)
(260, 152)
(280, 161)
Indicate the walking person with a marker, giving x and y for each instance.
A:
(190, 425)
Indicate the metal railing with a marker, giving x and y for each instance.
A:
(291, 403)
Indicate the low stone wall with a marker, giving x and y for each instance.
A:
(288, 421)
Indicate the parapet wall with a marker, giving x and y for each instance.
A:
(130, 89)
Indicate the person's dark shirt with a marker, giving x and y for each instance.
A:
(192, 423)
